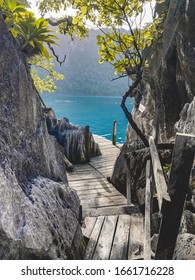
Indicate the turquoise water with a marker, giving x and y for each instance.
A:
(99, 112)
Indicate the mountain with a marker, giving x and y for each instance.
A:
(83, 73)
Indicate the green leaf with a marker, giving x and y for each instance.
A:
(42, 49)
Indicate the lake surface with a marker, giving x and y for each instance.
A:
(99, 112)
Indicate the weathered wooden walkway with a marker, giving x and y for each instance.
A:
(114, 229)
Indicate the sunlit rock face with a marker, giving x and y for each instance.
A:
(186, 123)
(38, 211)
(169, 79)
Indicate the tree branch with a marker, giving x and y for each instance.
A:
(57, 56)
(67, 20)
(128, 114)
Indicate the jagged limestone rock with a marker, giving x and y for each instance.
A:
(185, 247)
(169, 78)
(186, 124)
(39, 213)
(188, 222)
(72, 139)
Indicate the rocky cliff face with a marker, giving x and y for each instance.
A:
(170, 82)
(170, 88)
(38, 211)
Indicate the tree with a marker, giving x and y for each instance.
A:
(125, 41)
(46, 82)
(123, 44)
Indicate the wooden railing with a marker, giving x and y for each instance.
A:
(171, 196)
(114, 132)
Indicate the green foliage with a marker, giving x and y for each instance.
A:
(35, 32)
(126, 38)
(167, 168)
(45, 82)
(23, 2)
(32, 34)
(26, 28)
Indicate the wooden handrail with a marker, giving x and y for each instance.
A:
(114, 133)
(128, 183)
(161, 185)
(182, 161)
(147, 220)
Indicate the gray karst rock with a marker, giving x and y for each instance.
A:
(185, 247)
(188, 222)
(39, 213)
(169, 81)
(169, 86)
(186, 123)
(72, 139)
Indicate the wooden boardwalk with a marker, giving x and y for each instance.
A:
(113, 233)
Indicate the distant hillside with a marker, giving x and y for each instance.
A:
(83, 74)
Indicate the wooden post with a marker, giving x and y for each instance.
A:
(114, 133)
(128, 182)
(161, 185)
(147, 220)
(87, 143)
(182, 160)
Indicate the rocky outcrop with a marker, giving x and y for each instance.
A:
(169, 79)
(72, 138)
(186, 123)
(38, 211)
(185, 247)
(169, 82)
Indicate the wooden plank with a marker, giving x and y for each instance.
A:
(128, 182)
(103, 201)
(121, 239)
(97, 191)
(161, 185)
(84, 173)
(93, 238)
(136, 237)
(103, 160)
(103, 165)
(97, 195)
(103, 248)
(81, 169)
(84, 177)
(110, 210)
(103, 181)
(147, 223)
(182, 160)
(88, 226)
(96, 187)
